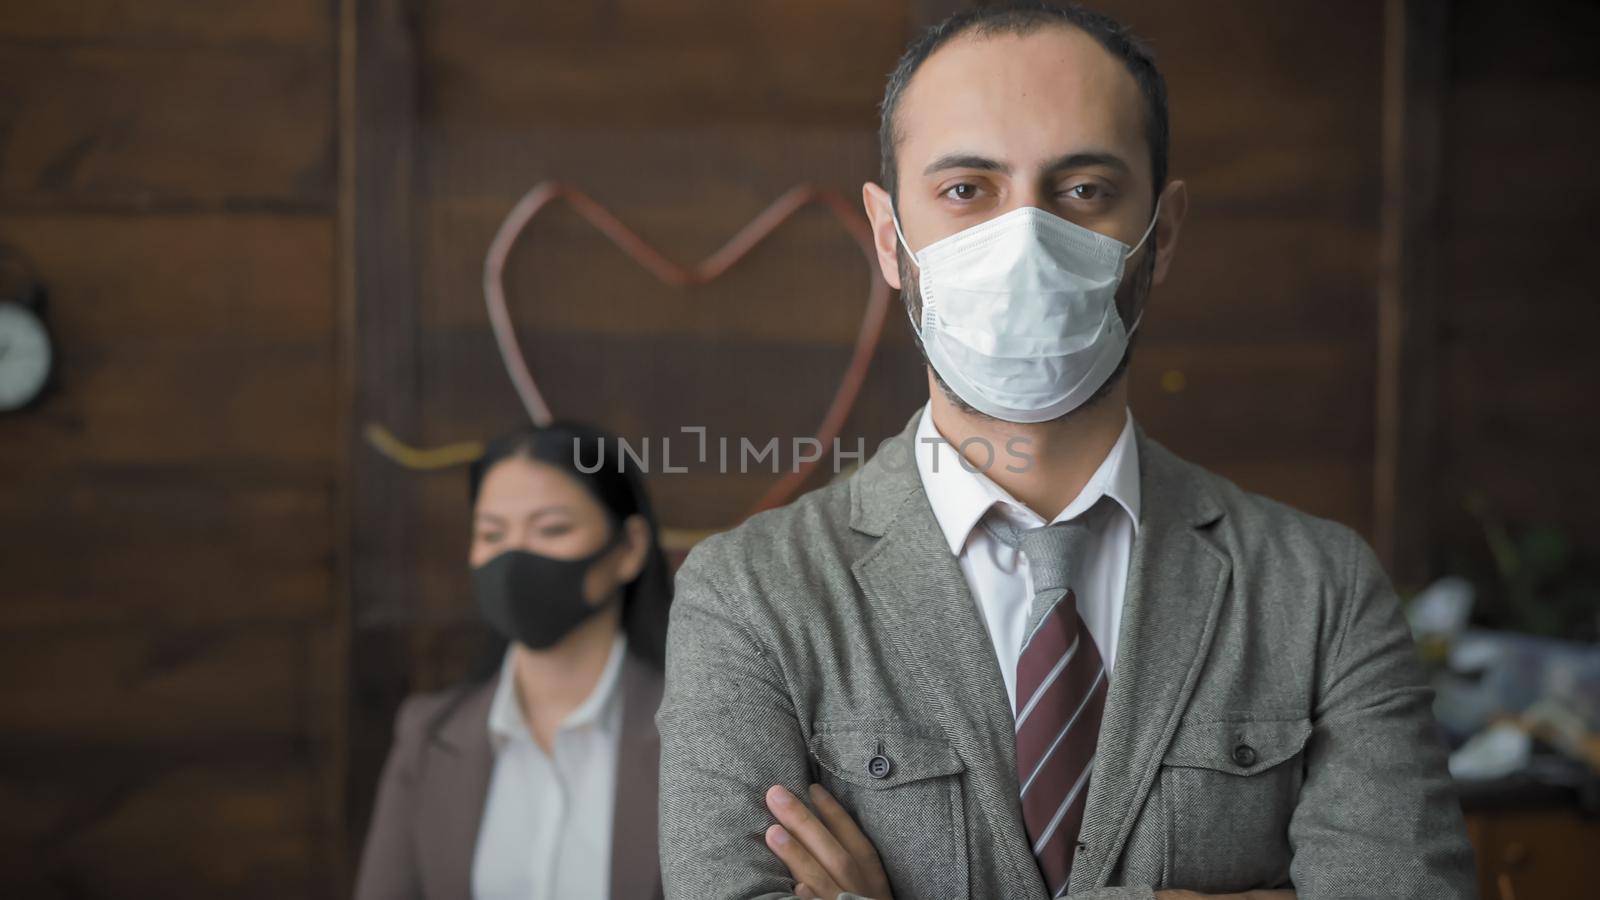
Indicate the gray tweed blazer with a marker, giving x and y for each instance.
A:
(1267, 724)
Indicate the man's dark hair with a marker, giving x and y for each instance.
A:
(1021, 19)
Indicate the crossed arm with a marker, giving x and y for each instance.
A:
(830, 857)
(732, 762)
(1375, 815)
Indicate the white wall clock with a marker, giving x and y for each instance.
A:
(25, 355)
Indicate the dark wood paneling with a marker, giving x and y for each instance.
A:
(153, 686)
(1273, 105)
(152, 315)
(118, 279)
(380, 96)
(187, 758)
(1414, 91)
(234, 128)
(230, 545)
(126, 404)
(1517, 367)
(167, 625)
(236, 829)
(300, 24)
(649, 65)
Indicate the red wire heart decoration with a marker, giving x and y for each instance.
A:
(711, 267)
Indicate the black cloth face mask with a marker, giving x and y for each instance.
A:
(536, 600)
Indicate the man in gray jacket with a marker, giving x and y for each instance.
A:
(1026, 652)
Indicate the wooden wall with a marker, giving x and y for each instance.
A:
(169, 640)
(1519, 311)
(263, 227)
(1257, 356)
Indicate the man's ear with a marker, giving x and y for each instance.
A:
(880, 212)
(1174, 206)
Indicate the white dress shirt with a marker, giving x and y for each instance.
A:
(546, 828)
(997, 573)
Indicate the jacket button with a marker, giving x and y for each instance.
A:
(879, 766)
(1244, 756)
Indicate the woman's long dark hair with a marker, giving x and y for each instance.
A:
(619, 486)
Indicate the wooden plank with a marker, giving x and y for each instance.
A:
(155, 687)
(1515, 365)
(715, 167)
(1551, 40)
(1271, 103)
(233, 829)
(1508, 137)
(174, 405)
(1534, 398)
(766, 61)
(235, 128)
(1249, 404)
(1336, 488)
(181, 279)
(1407, 397)
(334, 646)
(379, 97)
(1547, 297)
(169, 23)
(1310, 279)
(188, 547)
(130, 760)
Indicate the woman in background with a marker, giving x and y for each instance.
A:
(539, 780)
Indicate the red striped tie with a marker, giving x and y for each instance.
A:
(1061, 693)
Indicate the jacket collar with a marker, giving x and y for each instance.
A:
(463, 761)
(961, 497)
(879, 491)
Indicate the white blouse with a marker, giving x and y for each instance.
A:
(546, 828)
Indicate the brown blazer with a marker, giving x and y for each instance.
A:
(425, 823)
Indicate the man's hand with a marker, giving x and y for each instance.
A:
(826, 853)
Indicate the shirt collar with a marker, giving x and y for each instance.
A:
(960, 498)
(506, 723)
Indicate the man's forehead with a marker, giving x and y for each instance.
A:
(1054, 90)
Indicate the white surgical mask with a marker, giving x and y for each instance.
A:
(1019, 313)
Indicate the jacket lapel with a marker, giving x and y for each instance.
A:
(635, 857)
(454, 788)
(460, 763)
(915, 587)
(1177, 580)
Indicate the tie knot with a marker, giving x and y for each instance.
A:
(1053, 552)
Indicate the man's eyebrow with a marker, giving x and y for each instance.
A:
(967, 161)
(1089, 159)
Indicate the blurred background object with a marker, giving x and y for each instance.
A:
(262, 227)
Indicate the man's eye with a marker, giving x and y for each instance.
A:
(1086, 191)
(962, 192)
